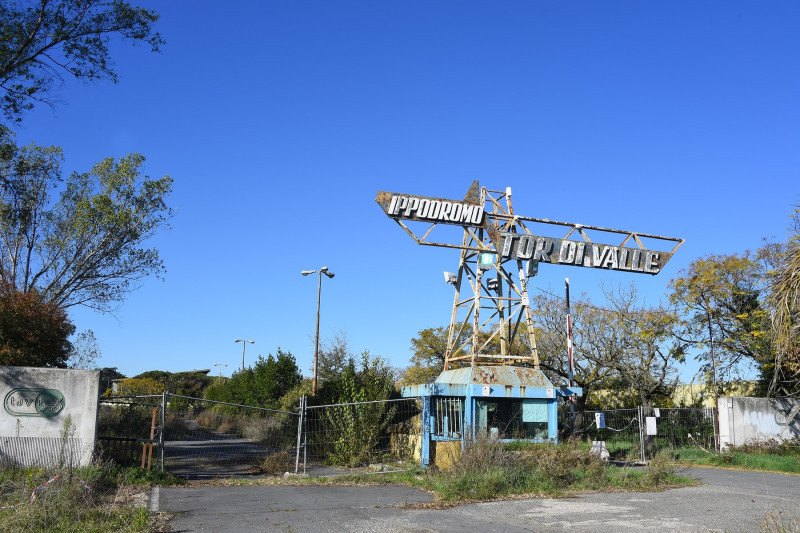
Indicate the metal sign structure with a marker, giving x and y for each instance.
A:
(491, 320)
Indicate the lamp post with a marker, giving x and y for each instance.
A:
(244, 345)
(321, 271)
(220, 365)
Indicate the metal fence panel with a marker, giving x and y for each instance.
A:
(200, 438)
(363, 433)
(448, 418)
(621, 433)
(673, 429)
(626, 436)
(207, 438)
(125, 430)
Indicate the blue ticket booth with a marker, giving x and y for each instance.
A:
(507, 402)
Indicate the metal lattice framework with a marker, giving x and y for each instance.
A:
(491, 320)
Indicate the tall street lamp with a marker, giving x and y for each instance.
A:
(321, 271)
(220, 365)
(244, 345)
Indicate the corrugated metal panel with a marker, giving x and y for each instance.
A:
(40, 451)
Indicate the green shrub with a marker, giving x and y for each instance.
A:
(277, 463)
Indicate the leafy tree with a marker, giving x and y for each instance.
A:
(291, 400)
(107, 377)
(360, 427)
(260, 385)
(427, 361)
(136, 387)
(372, 379)
(192, 384)
(33, 332)
(86, 247)
(721, 296)
(332, 357)
(43, 41)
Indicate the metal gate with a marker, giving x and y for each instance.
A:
(197, 438)
(129, 430)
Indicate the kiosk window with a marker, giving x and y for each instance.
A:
(510, 418)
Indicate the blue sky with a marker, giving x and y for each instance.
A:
(280, 121)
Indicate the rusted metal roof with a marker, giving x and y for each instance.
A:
(495, 375)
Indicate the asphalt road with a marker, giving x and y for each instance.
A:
(728, 501)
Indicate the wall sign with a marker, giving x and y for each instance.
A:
(43, 403)
(427, 209)
(524, 246)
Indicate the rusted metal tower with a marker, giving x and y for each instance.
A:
(491, 321)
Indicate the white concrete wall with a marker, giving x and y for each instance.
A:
(37, 402)
(743, 420)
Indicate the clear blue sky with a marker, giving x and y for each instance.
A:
(279, 122)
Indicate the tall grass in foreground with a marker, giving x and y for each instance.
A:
(487, 469)
(781, 521)
(66, 505)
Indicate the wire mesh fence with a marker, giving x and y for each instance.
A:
(642, 433)
(621, 432)
(363, 433)
(678, 429)
(193, 437)
(204, 437)
(128, 428)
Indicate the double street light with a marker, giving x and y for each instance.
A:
(321, 271)
(244, 345)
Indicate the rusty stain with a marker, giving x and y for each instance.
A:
(508, 390)
(495, 375)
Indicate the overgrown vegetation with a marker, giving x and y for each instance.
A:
(490, 469)
(101, 498)
(359, 428)
(767, 456)
(260, 385)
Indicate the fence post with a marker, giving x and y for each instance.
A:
(641, 432)
(305, 435)
(300, 432)
(164, 399)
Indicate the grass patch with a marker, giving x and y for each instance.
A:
(66, 504)
(764, 456)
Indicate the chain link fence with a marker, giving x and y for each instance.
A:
(129, 429)
(640, 434)
(358, 434)
(212, 438)
(197, 438)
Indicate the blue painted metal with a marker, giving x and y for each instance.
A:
(552, 424)
(478, 382)
(425, 444)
